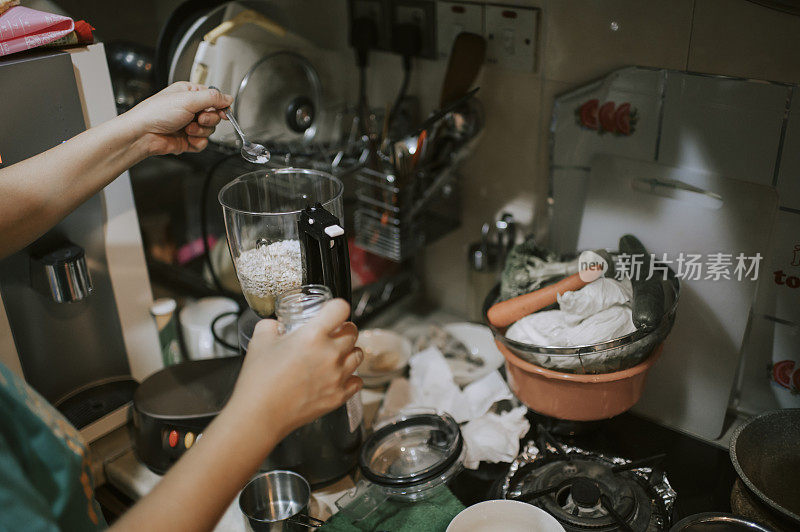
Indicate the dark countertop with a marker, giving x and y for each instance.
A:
(701, 473)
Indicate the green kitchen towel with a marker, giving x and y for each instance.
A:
(430, 515)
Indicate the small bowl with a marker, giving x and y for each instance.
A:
(505, 515)
(380, 341)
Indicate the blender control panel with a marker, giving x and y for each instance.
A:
(177, 440)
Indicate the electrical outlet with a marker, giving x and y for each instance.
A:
(421, 13)
(454, 18)
(511, 37)
(377, 11)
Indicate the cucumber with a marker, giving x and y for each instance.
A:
(648, 294)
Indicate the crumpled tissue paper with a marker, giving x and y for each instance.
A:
(494, 438)
(488, 437)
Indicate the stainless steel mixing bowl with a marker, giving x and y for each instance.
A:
(605, 357)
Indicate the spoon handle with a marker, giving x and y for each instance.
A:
(232, 120)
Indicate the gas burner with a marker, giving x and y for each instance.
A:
(585, 491)
(583, 498)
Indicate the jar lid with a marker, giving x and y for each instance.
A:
(411, 450)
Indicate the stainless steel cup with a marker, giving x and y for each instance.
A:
(277, 501)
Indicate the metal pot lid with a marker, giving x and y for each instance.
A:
(279, 99)
(410, 450)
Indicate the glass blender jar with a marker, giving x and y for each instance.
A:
(262, 210)
(290, 255)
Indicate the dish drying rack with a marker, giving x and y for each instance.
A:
(401, 208)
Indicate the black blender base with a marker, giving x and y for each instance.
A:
(172, 407)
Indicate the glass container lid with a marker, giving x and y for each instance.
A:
(410, 450)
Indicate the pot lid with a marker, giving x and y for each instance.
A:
(279, 99)
(410, 450)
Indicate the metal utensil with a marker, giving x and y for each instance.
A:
(506, 235)
(255, 153)
(440, 114)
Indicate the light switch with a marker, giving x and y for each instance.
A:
(454, 18)
(511, 37)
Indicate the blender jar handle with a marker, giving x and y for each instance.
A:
(324, 248)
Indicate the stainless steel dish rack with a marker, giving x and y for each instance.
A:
(400, 211)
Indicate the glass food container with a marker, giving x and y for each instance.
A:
(407, 459)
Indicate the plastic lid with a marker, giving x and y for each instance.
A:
(411, 450)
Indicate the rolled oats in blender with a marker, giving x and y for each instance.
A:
(268, 270)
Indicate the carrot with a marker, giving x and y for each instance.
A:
(505, 313)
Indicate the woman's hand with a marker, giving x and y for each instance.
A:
(179, 118)
(288, 381)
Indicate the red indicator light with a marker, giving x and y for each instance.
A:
(173, 438)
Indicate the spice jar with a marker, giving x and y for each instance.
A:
(298, 306)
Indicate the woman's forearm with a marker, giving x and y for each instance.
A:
(37, 193)
(197, 490)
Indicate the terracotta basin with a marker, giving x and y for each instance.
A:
(576, 397)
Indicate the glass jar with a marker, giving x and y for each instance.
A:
(298, 306)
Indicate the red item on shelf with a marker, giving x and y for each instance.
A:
(84, 31)
(366, 268)
(606, 114)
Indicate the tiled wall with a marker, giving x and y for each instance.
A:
(576, 44)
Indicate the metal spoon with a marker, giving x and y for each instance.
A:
(255, 153)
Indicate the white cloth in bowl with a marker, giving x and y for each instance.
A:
(598, 312)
